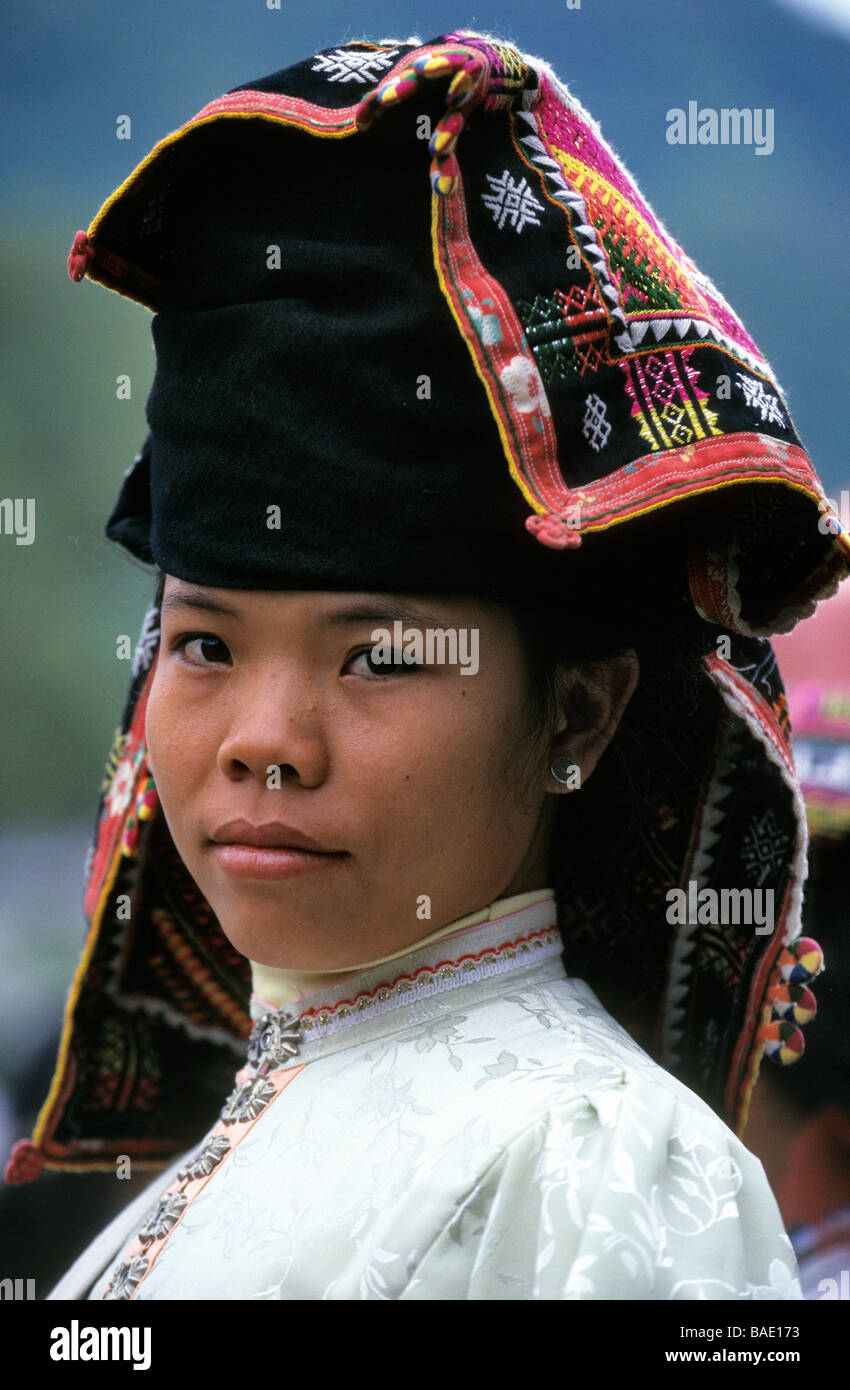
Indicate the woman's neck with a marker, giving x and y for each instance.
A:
(279, 987)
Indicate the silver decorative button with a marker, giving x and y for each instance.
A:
(275, 1038)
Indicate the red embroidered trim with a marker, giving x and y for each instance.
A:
(758, 706)
(110, 828)
(281, 106)
(652, 481)
(746, 1058)
(528, 436)
(747, 1053)
(323, 1014)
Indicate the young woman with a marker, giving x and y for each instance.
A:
(455, 767)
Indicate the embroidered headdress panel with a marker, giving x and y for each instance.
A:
(604, 367)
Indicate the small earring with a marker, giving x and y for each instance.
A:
(565, 771)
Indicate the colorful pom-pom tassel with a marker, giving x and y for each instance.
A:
(783, 1042)
(795, 1003)
(464, 83)
(800, 961)
(470, 74)
(435, 63)
(445, 135)
(792, 1003)
(440, 61)
(444, 174)
(397, 88)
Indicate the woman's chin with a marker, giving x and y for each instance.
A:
(294, 941)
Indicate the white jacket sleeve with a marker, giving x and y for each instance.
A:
(634, 1192)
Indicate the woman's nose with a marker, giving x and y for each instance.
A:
(276, 732)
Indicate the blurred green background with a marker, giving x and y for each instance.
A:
(771, 231)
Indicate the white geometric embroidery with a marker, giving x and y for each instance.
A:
(511, 201)
(763, 847)
(146, 645)
(346, 66)
(595, 427)
(763, 401)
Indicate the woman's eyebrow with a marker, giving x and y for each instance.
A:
(374, 611)
(187, 598)
(368, 611)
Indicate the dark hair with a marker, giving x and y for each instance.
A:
(626, 597)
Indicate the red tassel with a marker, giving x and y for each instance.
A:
(26, 1163)
(553, 531)
(81, 257)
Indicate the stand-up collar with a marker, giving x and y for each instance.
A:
(277, 988)
(472, 956)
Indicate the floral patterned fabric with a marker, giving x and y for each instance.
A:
(501, 1138)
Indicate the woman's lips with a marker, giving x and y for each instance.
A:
(253, 861)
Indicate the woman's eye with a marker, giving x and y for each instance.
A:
(372, 666)
(201, 649)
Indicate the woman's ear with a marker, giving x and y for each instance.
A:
(591, 699)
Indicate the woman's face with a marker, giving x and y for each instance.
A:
(425, 781)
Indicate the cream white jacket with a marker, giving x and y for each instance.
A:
(465, 1122)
